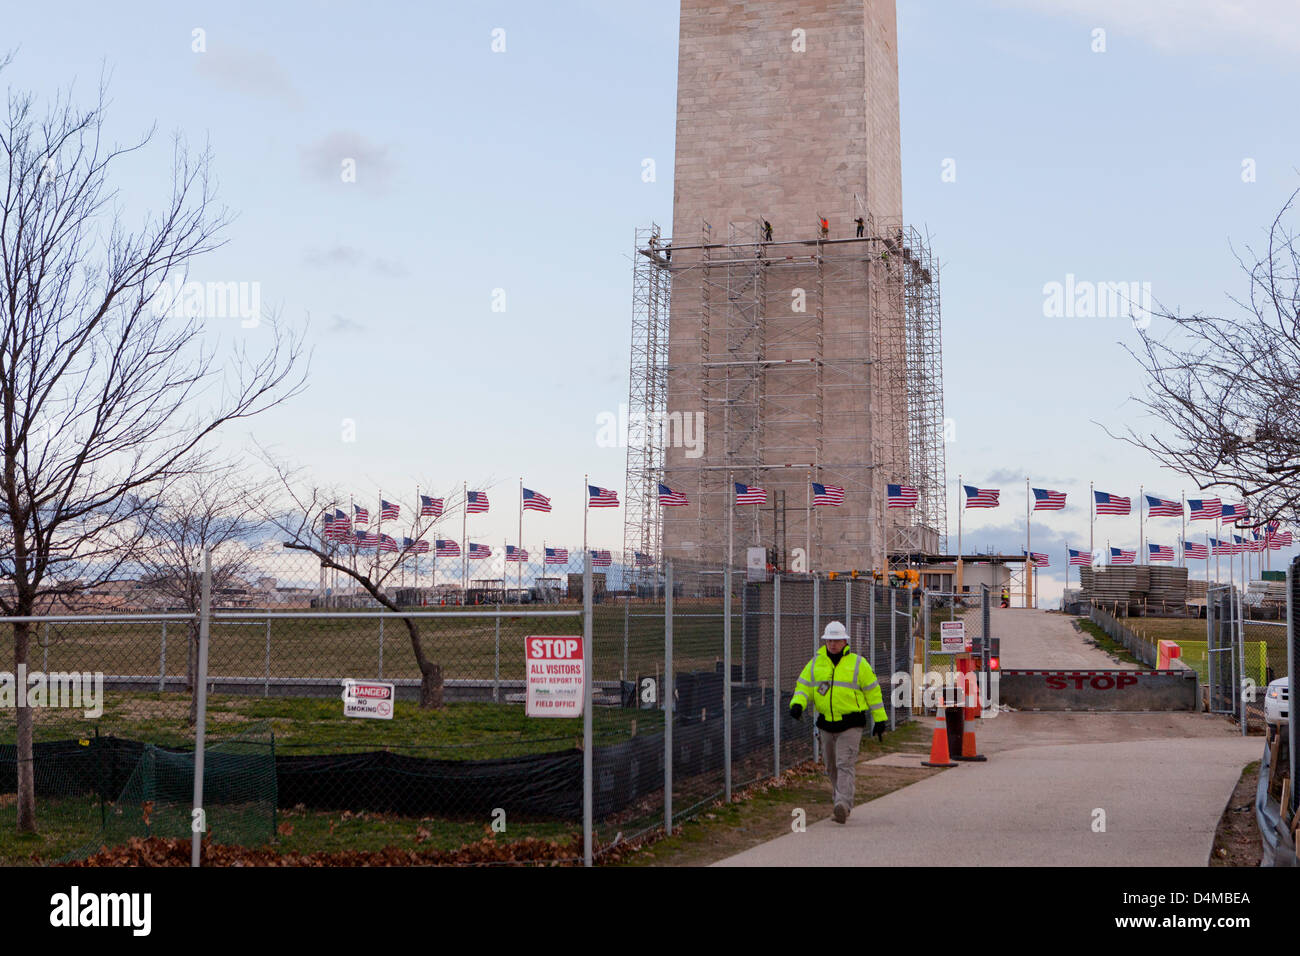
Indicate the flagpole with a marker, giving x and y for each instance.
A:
(464, 544)
(731, 518)
(1218, 536)
(807, 495)
(1029, 568)
(1183, 537)
(519, 578)
(586, 498)
(1092, 518)
(1067, 572)
(1142, 541)
(379, 529)
(960, 509)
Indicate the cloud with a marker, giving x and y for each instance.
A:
(339, 323)
(340, 256)
(1250, 27)
(323, 160)
(250, 72)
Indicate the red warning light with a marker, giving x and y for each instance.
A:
(993, 663)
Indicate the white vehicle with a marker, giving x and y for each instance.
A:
(1277, 705)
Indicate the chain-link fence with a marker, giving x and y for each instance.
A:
(691, 673)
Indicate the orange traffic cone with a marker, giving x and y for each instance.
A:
(968, 749)
(939, 746)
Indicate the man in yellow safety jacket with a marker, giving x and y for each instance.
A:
(844, 689)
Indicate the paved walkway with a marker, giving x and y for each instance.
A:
(1040, 640)
(1034, 805)
(1162, 780)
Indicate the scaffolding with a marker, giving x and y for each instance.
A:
(819, 360)
(647, 394)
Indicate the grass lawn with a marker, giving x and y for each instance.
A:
(463, 731)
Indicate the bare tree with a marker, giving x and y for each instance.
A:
(104, 396)
(1225, 389)
(302, 525)
(214, 510)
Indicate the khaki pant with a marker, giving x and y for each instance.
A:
(842, 762)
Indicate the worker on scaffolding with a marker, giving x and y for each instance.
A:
(767, 231)
(825, 225)
(862, 225)
(1006, 596)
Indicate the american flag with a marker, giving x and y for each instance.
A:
(600, 559)
(642, 559)
(1279, 540)
(1247, 544)
(669, 498)
(1234, 511)
(430, 507)
(901, 496)
(515, 554)
(827, 495)
(446, 548)
(420, 547)
(1159, 552)
(1080, 557)
(336, 526)
(535, 501)
(1045, 500)
(1195, 551)
(1272, 527)
(1205, 509)
(478, 551)
(1111, 504)
(360, 515)
(1256, 542)
(476, 502)
(749, 495)
(364, 539)
(981, 497)
(386, 543)
(1163, 508)
(1221, 547)
(388, 511)
(1119, 556)
(601, 497)
(557, 556)
(1036, 558)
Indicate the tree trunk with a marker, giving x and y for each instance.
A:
(431, 687)
(25, 726)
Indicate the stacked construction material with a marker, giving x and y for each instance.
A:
(1134, 584)
(1168, 585)
(1196, 590)
(1266, 592)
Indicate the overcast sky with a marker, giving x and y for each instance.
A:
(521, 171)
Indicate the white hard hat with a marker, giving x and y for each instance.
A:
(835, 632)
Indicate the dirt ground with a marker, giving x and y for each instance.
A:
(1237, 840)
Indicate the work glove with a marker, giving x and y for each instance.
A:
(796, 711)
(878, 731)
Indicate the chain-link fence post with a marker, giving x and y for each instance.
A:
(627, 612)
(587, 669)
(162, 660)
(925, 632)
(816, 635)
(668, 697)
(848, 608)
(1240, 649)
(776, 673)
(200, 726)
(871, 624)
(726, 680)
(496, 654)
(893, 648)
(266, 679)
